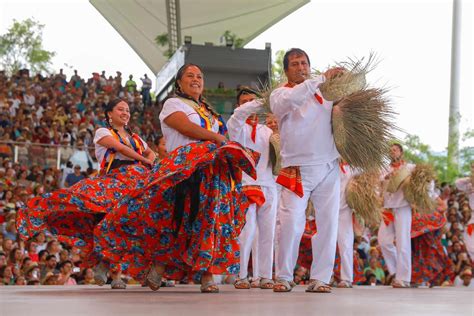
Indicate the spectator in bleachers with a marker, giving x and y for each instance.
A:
(74, 177)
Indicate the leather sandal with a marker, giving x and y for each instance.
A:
(399, 284)
(118, 284)
(282, 285)
(316, 286)
(242, 284)
(100, 274)
(209, 287)
(266, 284)
(344, 285)
(153, 279)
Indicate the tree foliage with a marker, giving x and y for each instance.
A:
(277, 67)
(418, 152)
(22, 47)
(163, 41)
(237, 41)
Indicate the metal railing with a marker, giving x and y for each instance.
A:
(46, 155)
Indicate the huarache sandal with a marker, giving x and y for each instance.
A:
(344, 285)
(118, 284)
(100, 274)
(209, 287)
(242, 284)
(153, 279)
(266, 284)
(399, 284)
(316, 286)
(283, 286)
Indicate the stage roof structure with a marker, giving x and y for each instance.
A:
(139, 22)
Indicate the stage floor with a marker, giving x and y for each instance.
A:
(187, 300)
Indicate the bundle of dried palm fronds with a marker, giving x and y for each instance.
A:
(265, 90)
(362, 195)
(363, 127)
(351, 80)
(417, 188)
(275, 156)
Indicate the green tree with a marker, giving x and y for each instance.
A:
(163, 41)
(418, 152)
(22, 47)
(238, 42)
(277, 67)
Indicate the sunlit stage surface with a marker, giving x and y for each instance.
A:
(187, 300)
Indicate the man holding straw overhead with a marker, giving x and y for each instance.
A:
(310, 171)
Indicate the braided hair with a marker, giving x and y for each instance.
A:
(178, 92)
(109, 108)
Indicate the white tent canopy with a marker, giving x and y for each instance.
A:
(140, 21)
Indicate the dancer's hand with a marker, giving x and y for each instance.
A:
(334, 72)
(147, 162)
(220, 140)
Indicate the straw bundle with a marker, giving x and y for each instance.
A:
(362, 125)
(349, 81)
(275, 155)
(418, 186)
(265, 91)
(362, 196)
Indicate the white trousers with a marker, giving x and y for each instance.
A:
(255, 256)
(262, 219)
(345, 243)
(321, 184)
(397, 258)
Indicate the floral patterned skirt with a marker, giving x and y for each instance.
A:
(143, 228)
(71, 214)
(430, 263)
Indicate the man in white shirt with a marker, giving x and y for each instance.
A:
(309, 171)
(397, 257)
(243, 127)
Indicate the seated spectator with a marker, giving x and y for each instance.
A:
(9, 230)
(65, 272)
(49, 267)
(63, 255)
(51, 279)
(33, 273)
(42, 255)
(87, 277)
(7, 245)
(74, 177)
(40, 240)
(3, 259)
(54, 247)
(6, 275)
(20, 280)
(464, 279)
(374, 268)
(370, 278)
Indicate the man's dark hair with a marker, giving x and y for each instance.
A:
(40, 254)
(245, 90)
(399, 146)
(294, 51)
(62, 264)
(50, 256)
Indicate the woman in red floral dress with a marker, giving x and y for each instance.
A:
(430, 263)
(189, 214)
(71, 214)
